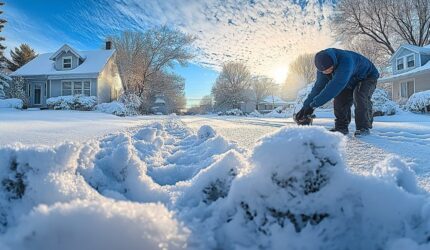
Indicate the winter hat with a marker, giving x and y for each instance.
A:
(323, 60)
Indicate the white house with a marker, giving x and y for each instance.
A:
(410, 72)
(71, 72)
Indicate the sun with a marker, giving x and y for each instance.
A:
(280, 74)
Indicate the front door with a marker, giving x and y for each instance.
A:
(38, 94)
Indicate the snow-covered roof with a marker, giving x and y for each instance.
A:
(417, 49)
(274, 99)
(66, 48)
(94, 63)
(420, 70)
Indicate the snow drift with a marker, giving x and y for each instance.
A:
(164, 186)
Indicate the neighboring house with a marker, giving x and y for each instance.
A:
(71, 72)
(264, 106)
(159, 106)
(410, 72)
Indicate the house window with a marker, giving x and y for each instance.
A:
(67, 62)
(87, 88)
(400, 64)
(76, 88)
(407, 89)
(67, 88)
(410, 61)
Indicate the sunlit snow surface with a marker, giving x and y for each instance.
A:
(170, 182)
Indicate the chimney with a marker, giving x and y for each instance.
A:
(108, 45)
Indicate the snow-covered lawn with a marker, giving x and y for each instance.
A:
(170, 182)
(50, 127)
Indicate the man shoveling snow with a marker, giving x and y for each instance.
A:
(349, 78)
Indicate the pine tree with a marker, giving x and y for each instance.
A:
(20, 56)
(16, 90)
(4, 79)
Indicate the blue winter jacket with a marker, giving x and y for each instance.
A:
(349, 69)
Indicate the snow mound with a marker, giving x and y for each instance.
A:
(79, 102)
(98, 225)
(297, 190)
(419, 102)
(11, 103)
(206, 132)
(114, 108)
(382, 105)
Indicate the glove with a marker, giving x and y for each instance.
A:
(303, 117)
(304, 112)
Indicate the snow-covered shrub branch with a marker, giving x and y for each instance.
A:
(79, 102)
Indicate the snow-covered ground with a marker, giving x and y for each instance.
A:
(50, 127)
(209, 182)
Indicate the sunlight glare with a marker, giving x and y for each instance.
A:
(280, 74)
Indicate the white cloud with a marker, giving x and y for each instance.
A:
(264, 34)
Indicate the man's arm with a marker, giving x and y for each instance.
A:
(340, 79)
(319, 85)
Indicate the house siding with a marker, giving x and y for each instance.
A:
(405, 52)
(59, 60)
(109, 83)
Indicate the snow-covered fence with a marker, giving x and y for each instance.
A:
(83, 103)
(419, 102)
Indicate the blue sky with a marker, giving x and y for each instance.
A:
(264, 34)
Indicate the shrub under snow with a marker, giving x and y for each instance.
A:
(114, 108)
(79, 102)
(382, 105)
(232, 112)
(419, 102)
(11, 103)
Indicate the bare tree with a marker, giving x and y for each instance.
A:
(206, 104)
(304, 66)
(301, 72)
(140, 56)
(262, 87)
(144, 58)
(365, 46)
(387, 23)
(231, 86)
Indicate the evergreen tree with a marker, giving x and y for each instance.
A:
(16, 89)
(4, 79)
(21, 56)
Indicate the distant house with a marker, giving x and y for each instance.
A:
(410, 72)
(71, 72)
(264, 106)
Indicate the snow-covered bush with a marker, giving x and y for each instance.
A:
(132, 103)
(11, 103)
(419, 102)
(114, 108)
(232, 112)
(79, 102)
(382, 105)
(255, 113)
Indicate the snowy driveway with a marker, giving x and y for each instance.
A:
(404, 135)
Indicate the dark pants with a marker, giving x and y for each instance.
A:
(361, 97)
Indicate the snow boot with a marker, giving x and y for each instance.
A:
(340, 130)
(361, 132)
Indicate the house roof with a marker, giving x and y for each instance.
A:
(94, 63)
(274, 99)
(66, 48)
(417, 49)
(416, 71)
